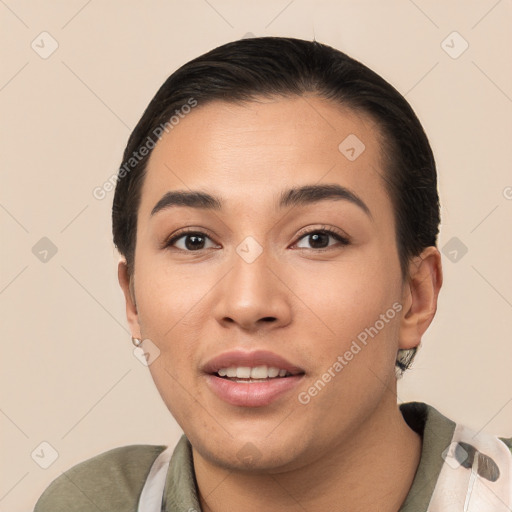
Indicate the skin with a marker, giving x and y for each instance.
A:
(349, 448)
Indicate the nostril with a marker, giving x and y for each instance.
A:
(269, 319)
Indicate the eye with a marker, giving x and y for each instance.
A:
(191, 241)
(321, 239)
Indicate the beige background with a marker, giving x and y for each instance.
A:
(68, 375)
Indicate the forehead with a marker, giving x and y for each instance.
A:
(249, 152)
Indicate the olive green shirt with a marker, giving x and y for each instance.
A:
(113, 481)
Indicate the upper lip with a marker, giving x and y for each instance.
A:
(251, 359)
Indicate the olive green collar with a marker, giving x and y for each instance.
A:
(181, 493)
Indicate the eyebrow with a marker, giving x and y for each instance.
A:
(296, 196)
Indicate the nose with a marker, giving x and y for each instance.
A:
(253, 295)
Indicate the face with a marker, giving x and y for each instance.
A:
(276, 302)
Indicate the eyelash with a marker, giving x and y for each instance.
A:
(341, 238)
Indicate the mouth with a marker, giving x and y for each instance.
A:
(255, 374)
(251, 379)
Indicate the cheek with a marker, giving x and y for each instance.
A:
(173, 309)
(168, 298)
(351, 313)
(348, 295)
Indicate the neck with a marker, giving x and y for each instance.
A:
(377, 466)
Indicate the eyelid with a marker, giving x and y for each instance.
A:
(337, 233)
(173, 237)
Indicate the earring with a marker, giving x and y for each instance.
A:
(136, 341)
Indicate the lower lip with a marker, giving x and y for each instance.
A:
(251, 394)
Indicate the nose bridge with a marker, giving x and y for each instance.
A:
(251, 293)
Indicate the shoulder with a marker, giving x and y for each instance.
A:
(112, 481)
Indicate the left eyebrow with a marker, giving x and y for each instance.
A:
(296, 196)
(308, 194)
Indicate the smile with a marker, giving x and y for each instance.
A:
(248, 374)
(251, 379)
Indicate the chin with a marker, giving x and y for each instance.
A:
(251, 453)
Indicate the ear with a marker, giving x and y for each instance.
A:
(420, 297)
(126, 283)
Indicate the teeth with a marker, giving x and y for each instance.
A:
(273, 372)
(243, 372)
(256, 372)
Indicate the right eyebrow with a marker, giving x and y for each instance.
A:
(194, 199)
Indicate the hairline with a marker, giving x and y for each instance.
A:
(383, 138)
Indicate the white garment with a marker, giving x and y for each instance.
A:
(476, 476)
(151, 498)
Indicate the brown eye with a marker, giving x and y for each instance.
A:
(193, 241)
(320, 239)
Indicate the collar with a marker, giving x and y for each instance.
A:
(181, 494)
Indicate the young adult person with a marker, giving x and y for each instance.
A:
(277, 214)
